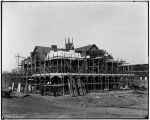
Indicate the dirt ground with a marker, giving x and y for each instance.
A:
(118, 104)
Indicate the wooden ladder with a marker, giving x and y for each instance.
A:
(72, 87)
(81, 87)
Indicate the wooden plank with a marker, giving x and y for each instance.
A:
(70, 87)
(74, 87)
(83, 87)
(80, 87)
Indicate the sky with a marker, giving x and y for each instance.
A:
(121, 28)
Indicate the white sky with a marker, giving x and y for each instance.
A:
(119, 27)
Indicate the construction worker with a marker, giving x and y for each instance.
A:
(54, 90)
(42, 90)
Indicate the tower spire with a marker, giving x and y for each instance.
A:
(72, 43)
(72, 40)
(65, 42)
(68, 40)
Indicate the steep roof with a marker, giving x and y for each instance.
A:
(85, 48)
(42, 49)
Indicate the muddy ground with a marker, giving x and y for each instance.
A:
(118, 104)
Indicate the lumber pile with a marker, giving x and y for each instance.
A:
(76, 88)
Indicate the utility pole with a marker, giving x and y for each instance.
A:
(18, 56)
(18, 60)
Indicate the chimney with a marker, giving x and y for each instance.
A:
(54, 47)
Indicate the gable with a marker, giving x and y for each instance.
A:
(94, 48)
(40, 52)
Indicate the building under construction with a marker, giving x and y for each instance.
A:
(72, 71)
